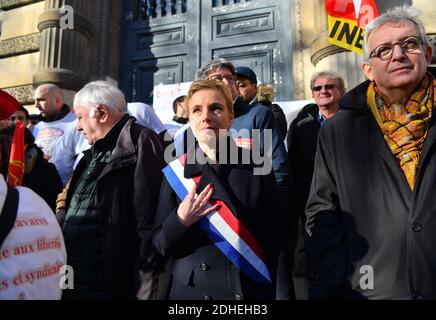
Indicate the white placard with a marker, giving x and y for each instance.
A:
(163, 97)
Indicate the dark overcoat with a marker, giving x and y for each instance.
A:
(371, 236)
(127, 193)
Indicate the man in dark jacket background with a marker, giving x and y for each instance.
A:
(327, 88)
(112, 199)
(248, 89)
(371, 209)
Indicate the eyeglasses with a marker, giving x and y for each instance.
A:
(328, 86)
(219, 77)
(409, 44)
(13, 118)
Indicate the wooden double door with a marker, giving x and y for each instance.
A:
(167, 41)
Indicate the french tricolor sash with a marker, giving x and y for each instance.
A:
(223, 228)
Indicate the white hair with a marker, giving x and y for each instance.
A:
(101, 93)
(399, 14)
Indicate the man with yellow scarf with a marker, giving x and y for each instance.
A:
(371, 214)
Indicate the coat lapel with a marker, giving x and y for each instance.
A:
(124, 152)
(427, 149)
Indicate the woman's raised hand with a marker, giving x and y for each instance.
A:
(192, 208)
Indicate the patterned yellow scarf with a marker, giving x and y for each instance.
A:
(405, 126)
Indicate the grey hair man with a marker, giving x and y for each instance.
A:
(371, 202)
(327, 88)
(112, 199)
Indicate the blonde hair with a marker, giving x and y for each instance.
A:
(265, 92)
(210, 85)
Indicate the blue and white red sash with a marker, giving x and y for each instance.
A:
(223, 228)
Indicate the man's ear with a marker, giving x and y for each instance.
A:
(367, 70)
(102, 112)
(58, 101)
(428, 55)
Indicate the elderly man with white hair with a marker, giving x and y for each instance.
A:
(112, 199)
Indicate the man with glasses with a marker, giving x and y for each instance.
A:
(327, 88)
(371, 209)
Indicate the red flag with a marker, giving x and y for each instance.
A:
(8, 105)
(16, 160)
(346, 21)
(364, 11)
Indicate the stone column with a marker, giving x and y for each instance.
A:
(65, 52)
(327, 56)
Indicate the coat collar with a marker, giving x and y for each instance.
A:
(429, 145)
(124, 153)
(240, 107)
(355, 99)
(124, 145)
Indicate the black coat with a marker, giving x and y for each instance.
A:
(44, 179)
(278, 114)
(127, 193)
(362, 217)
(201, 271)
(302, 140)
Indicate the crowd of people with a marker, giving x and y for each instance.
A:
(337, 205)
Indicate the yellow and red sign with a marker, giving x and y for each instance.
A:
(347, 20)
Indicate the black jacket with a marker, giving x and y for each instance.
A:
(302, 140)
(44, 179)
(370, 235)
(278, 114)
(200, 270)
(127, 192)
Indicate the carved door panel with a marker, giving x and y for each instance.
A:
(167, 41)
(254, 33)
(159, 45)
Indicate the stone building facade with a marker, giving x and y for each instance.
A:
(37, 45)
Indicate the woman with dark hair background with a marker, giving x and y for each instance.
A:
(39, 175)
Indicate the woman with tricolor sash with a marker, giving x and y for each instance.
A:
(216, 217)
